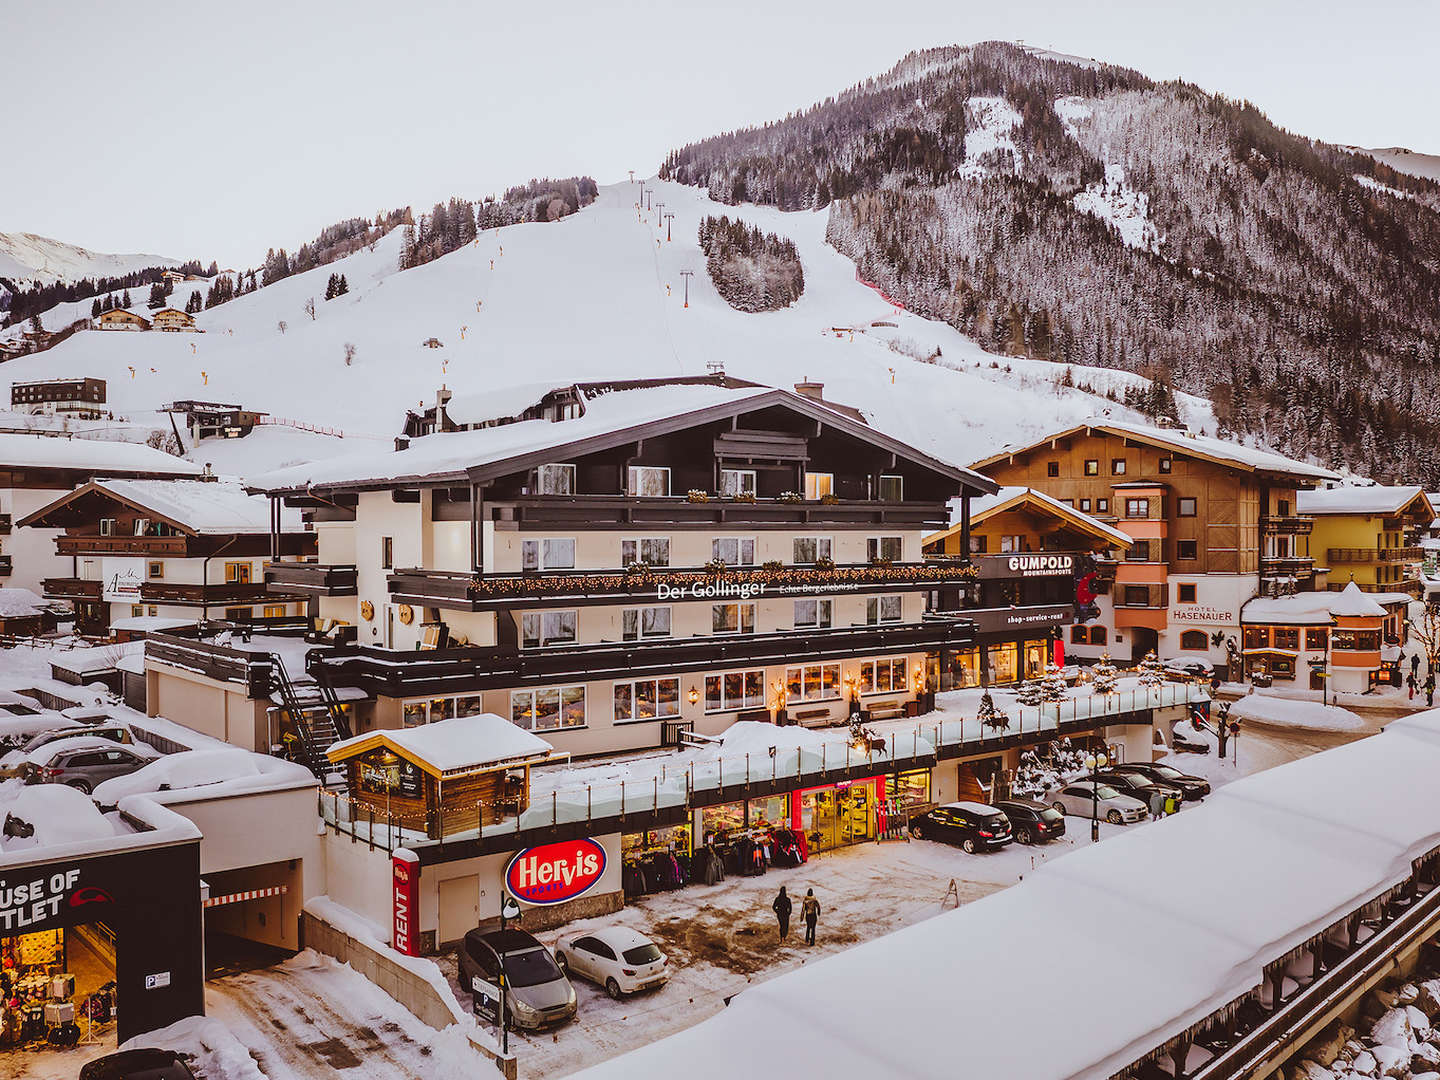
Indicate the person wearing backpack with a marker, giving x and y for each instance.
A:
(810, 912)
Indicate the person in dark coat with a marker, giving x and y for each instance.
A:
(1410, 683)
(1430, 690)
(1415, 665)
(810, 912)
(782, 908)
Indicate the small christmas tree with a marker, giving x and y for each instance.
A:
(1152, 672)
(1053, 688)
(989, 715)
(1104, 675)
(1030, 692)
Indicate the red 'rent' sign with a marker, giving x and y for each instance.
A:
(406, 901)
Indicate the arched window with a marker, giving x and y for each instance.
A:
(1097, 635)
(1194, 640)
(1078, 635)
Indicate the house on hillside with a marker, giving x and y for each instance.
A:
(120, 319)
(84, 397)
(213, 419)
(172, 276)
(174, 320)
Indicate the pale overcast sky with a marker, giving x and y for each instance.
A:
(216, 130)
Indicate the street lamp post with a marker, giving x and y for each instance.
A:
(1095, 762)
(509, 909)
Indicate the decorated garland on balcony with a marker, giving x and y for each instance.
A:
(638, 579)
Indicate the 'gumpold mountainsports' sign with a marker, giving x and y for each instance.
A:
(1025, 565)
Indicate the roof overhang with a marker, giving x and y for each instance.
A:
(96, 487)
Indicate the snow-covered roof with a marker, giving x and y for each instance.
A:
(1296, 848)
(206, 773)
(446, 746)
(197, 506)
(1008, 497)
(1311, 608)
(95, 456)
(1362, 500)
(146, 623)
(95, 660)
(651, 410)
(497, 402)
(1236, 455)
(18, 603)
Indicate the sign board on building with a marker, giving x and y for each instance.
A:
(1202, 613)
(485, 999)
(1025, 565)
(158, 981)
(1036, 618)
(555, 873)
(120, 580)
(405, 900)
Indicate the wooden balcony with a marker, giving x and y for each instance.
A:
(459, 591)
(71, 589)
(6, 566)
(1299, 566)
(1375, 555)
(396, 673)
(122, 545)
(611, 511)
(1293, 524)
(164, 592)
(312, 579)
(5, 524)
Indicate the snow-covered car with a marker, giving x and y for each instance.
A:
(1081, 797)
(16, 731)
(84, 762)
(142, 1064)
(1185, 738)
(1189, 664)
(10, 764)
(621, 960)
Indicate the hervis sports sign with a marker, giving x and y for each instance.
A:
(555, 873)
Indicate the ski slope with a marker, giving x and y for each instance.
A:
(26, 258)
(595, 295)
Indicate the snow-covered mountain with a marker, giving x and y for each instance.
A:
(26, 259)
(598, 294)
(1425, 166)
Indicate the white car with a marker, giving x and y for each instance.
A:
(1079, 797)
(621, 960)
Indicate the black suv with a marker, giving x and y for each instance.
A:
(1139, 786)
(974, 826)
(1033, 822)
(1194, 787)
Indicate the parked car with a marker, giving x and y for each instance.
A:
(537, 992)
(16, 731)
(1185, 738)
(11, 762)
(974, 826)
(1196, 667)
(1142, 787)
(1194, 787)
(1081, 797)
(84, 762)
(621, 960)
(1032, 822)
(145, 1064)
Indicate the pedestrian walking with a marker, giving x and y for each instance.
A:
(782, 908)
(1157, 804)
(810, 912)
(1430, 690)
(1410, 683)
(1415, 664)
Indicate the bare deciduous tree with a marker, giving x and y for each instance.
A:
(1425, 628)
(310, 308)
(349, 353)
(282, 326)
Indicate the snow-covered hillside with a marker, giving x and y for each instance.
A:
(1426, 166)
(596, 295)
(27, 258)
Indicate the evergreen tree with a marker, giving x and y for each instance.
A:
(1030, 693)
(95, 308)
(342, 286)
(157, 296)
(125, 300)
(1053, 689)
(1152, 672)
(1104, 675)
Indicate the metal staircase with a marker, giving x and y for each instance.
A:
(315, 712)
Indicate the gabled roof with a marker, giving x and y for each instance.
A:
(1016, 498)
(1203, 447)
(460, 744)
(93, 456)
(119, 312)
(195, 507)
(610, 420)
(1312, 608)
(1365, 500)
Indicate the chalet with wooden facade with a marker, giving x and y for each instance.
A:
(37, 469)
(169, 549)
(1212, 524)
(173, 320)
(674, 555)
(120, 319)
(212, 419)
(1371, 536)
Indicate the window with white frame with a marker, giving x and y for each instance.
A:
(818, 484)
(883, 609)
(813, 614)
(548, 708)
(555, 480)
(735, 690)
(733, 550)
(552, 554)
(737, 481)
(883, 676)
(884, 547)
(648, 480)
(809, 550)
(813, 682)
(107, 526)
(732, 618)
(892, 489)
(646, 699)
(1011, 544)
(644, 622)
(650, 550)
(541, 628)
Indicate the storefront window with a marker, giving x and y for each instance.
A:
(962, 670)
(549, 708)
(1003, 660)
(674, 838)
(909, 787)
(469, 705)
(723, 819)
(647, 699)
(883, 676)
(735, 690)
(1287, 637)
(772, 812)
(1257, 637)
(816, 682)
(442, 709)
(836, 816)
(1036, 656)
(1356, 640)
(415, 713)
(1315, 638)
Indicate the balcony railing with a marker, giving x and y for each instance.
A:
(122, 545)
(70, 589)
(396, 673)
(1295, 565)
(5, 524)
(315, 579)
(163, 592)
(457, 590)
(1286, 523)
(1372, 555)
(600, 511)
(5, 566)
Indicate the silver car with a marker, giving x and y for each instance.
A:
(538, 993)
(1084, 798)
(84, 762)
